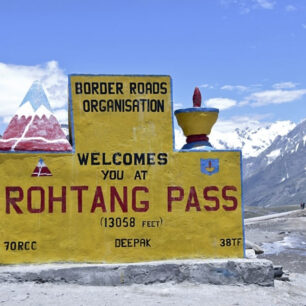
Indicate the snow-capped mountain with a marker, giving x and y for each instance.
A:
(278, 175)
(41, 169)
(251, 141)
(34, 127)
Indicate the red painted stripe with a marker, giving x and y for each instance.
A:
(45, 170)
(194, 138)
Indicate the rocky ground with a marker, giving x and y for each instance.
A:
(282, 237)
(284, 293)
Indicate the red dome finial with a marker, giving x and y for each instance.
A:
(197, 99)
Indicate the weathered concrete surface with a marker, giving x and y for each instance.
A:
(217, 271)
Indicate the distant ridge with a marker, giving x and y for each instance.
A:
(252, 141)
(278, 175)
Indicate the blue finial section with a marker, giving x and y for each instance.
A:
(36, 96)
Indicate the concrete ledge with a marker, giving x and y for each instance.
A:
(214, 271)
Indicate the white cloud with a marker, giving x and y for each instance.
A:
(290, 8)
(206, 86)
(234, 87)
(266, 4)
(246, 6)
(180, 139)
(7, 119)
(61, 115)
(15, 81)
(221, 103)
(177, 105)
(284, 85)
(243, 103)
(277, 96)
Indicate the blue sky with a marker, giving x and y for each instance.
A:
(248, 57)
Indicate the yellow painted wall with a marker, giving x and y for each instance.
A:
(156, 226)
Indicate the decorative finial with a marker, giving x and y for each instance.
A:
(197, 99)
(196, 123)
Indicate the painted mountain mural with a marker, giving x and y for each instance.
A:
(34, 126)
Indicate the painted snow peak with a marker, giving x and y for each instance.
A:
(34, 127)
(41, 169)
